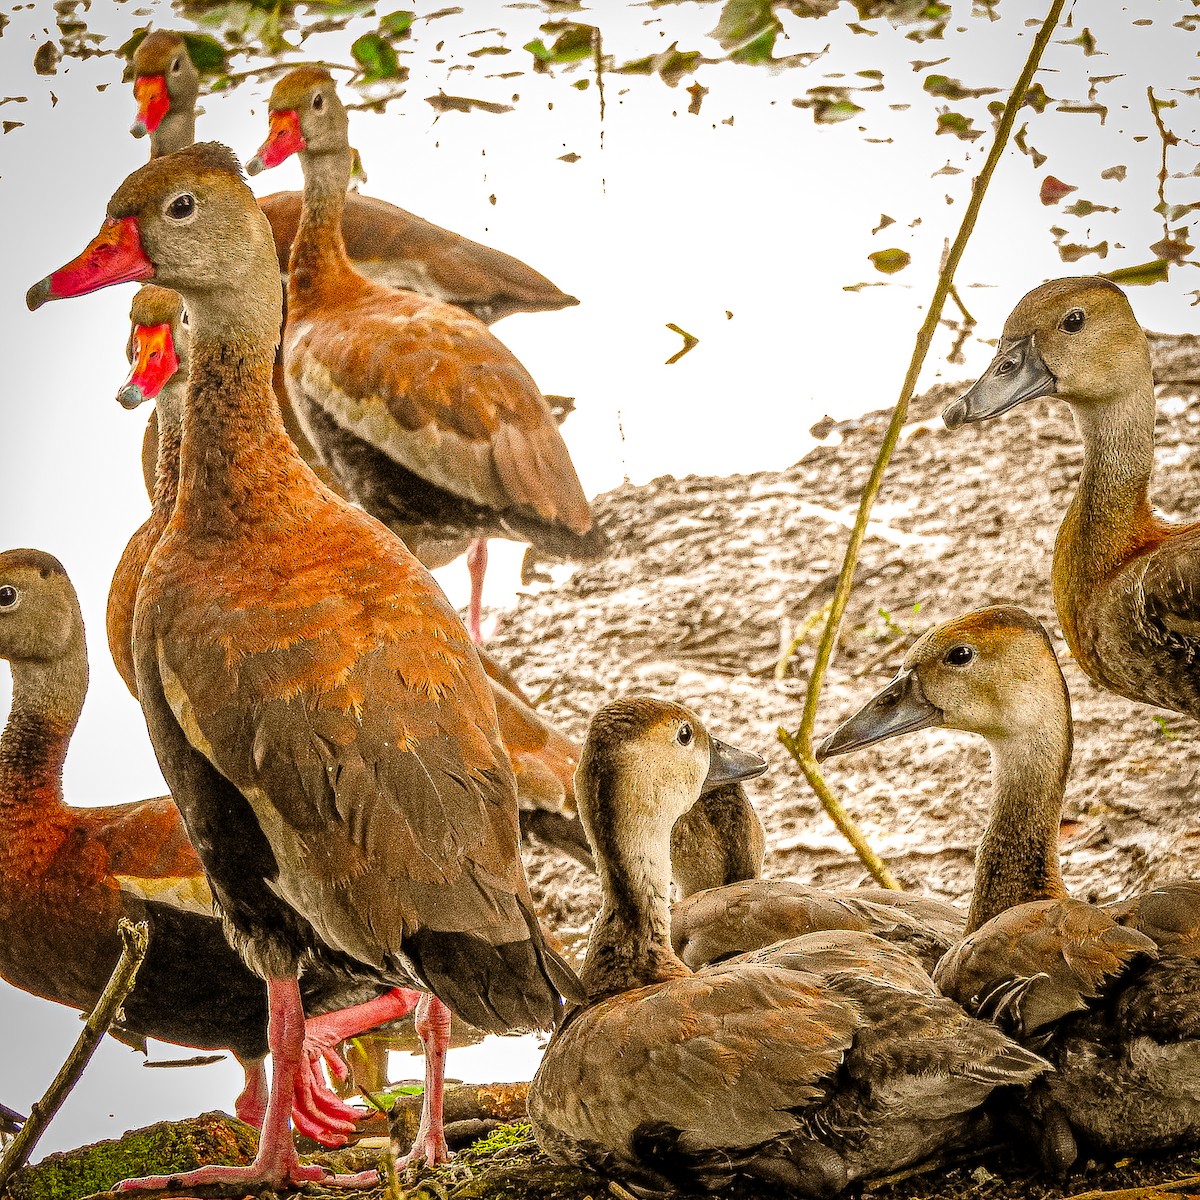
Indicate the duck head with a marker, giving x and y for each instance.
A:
(992, 672)
(165, 86)
(644, 764)
(1073, 338)
(306, 117)
(157, 348)
(40, 619)
(189, 222)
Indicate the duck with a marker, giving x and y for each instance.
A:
(1110, 994)
(725, 909)
(67, 876)
(422, 415)
(316, 705)
(543, 759)
(1121, 575)
(387, 244)
(776, 1076)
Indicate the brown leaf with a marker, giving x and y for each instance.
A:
(1053, 190)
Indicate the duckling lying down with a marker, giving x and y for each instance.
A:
(764, 1069)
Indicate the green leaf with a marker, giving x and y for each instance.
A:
(376, 57)
(573, 43)
(207, 54)
(747, 30)
(398, 24)
(958, 125)
(952, 89)
(890, 261)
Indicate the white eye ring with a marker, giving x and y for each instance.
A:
(186, 215)
(10, 598)
(176, 66)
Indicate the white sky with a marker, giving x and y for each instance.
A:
(675, 218)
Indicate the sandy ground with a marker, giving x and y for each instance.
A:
(710, 576)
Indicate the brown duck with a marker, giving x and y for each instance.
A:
(1126, 581)
(793, 1081)
(1110, 995)
(318, 711)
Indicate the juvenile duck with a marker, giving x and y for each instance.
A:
(423, 416)
(1125, 580)
(725, 909)
(790, 1079)
(1110, 995)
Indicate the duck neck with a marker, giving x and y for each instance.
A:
(1110, 511)
(47, 700)
(318, 259)
(630, 943)
(176, 131)
(169, 407)
(235, 458)
(1017, 859)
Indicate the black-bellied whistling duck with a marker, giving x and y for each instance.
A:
(1110, 995)
(542, 758)
(1124, 579)
(314, 702)
(68, 874)
(385, 243)
(424, 418)
(725, 909)
(673, 1081)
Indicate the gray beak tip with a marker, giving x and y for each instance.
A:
(954, 416)
(38, 295)
(254, 166)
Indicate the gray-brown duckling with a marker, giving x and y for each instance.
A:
(783, 1077)
(1110, 995)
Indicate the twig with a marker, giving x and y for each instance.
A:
(1145, 1189)
(809, 623)
(800, 743)
(962, 308)
(134, 939)
(1168, 139)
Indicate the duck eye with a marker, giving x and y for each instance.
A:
(959, 656)
(184, 319)
(1073, 321)
(182, 207)
(176, 66)
(685, 735)
(319, 101)
(9, 596)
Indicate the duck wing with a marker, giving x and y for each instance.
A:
(1036, 963)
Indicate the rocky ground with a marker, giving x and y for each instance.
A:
(709, 577)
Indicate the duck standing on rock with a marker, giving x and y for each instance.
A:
(316, 707)
(1126, 582)
(678, 1082)
(423, 417)
(1109, 994)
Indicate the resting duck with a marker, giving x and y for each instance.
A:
(795, 1081)
(385, 243)
(1110, 995)
(424, 418)
(1124, 579)
(725, 909)
(67, 875)
(317, 709)
(542, 758)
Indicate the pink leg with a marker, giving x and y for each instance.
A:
(433, 1028)
(276, 1164)
(317, 1112)
(477, 556)
(251, 1105)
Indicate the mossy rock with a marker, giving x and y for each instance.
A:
(162, 1149)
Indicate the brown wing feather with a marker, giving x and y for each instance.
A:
(1036, 963)
(344, 701)
(429, 386)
